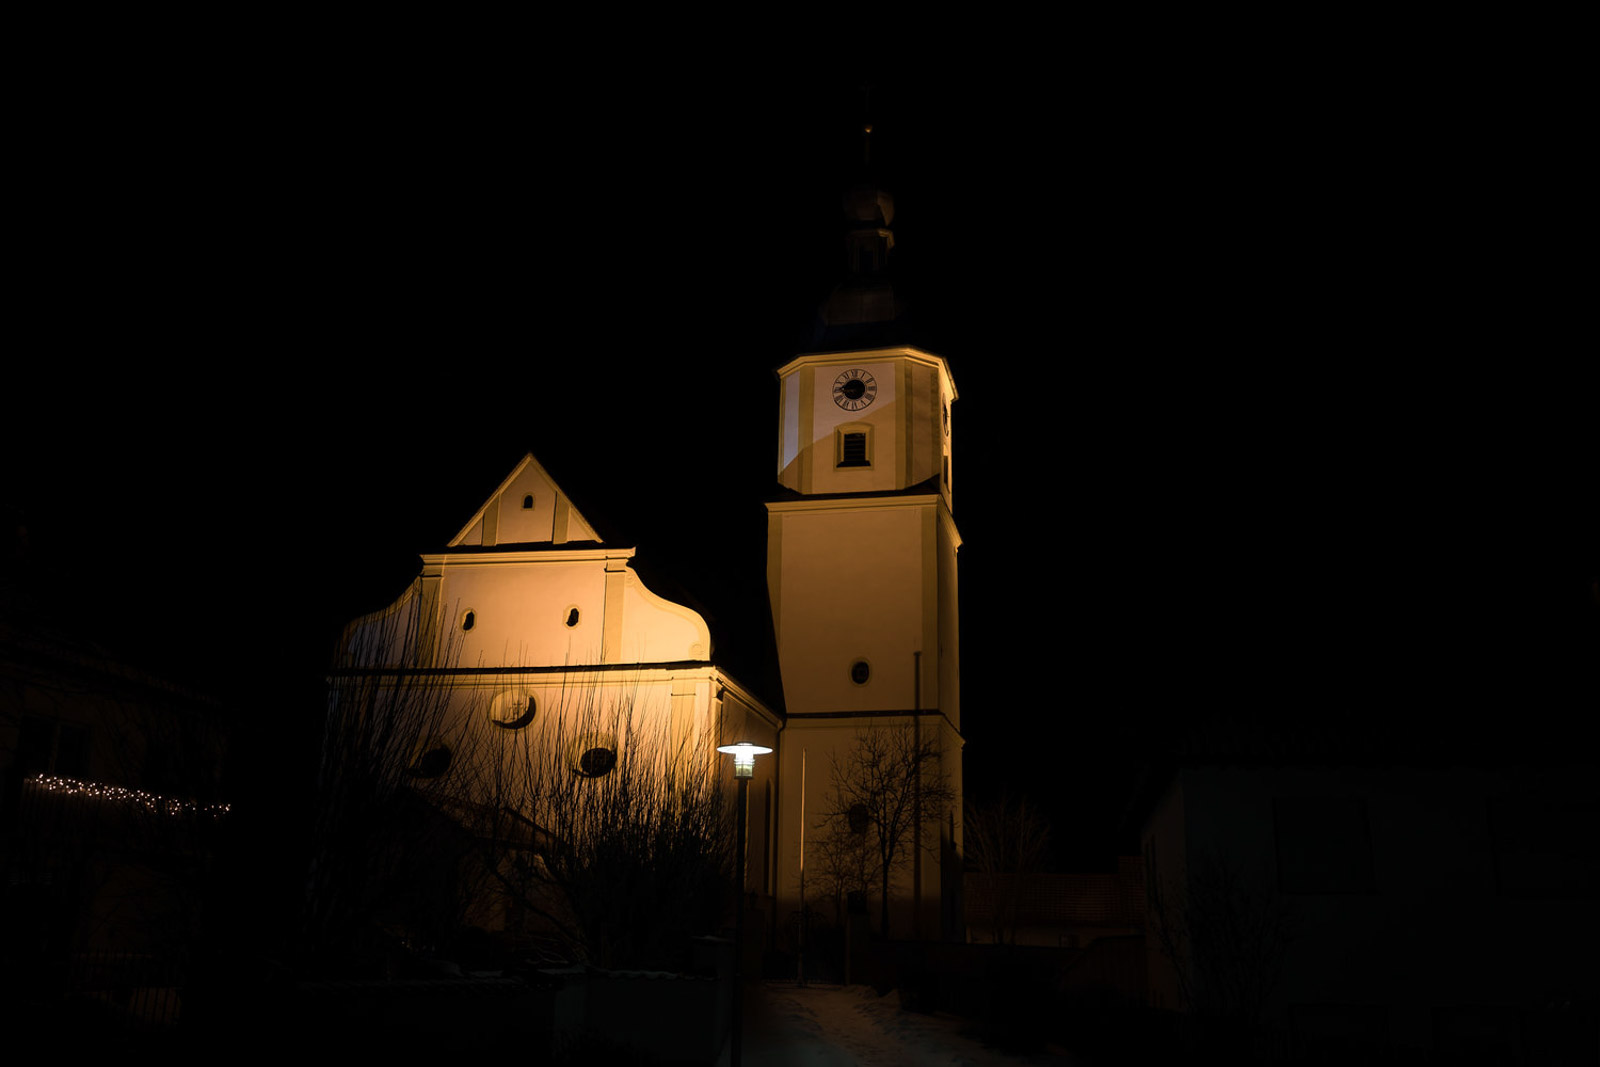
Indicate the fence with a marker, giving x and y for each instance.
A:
(127, 990)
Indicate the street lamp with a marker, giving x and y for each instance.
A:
(744, 765)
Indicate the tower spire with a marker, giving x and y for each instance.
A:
(862, 309)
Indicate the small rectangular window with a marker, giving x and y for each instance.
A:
(853, 450)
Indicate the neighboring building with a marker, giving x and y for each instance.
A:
(1056, 910)
(1370, 905)
(532, 614)
(110, 818)
(109, 777)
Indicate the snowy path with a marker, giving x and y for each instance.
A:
(833, 1026)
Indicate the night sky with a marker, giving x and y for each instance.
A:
(1268, 396)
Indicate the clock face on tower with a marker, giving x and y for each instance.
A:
(854, 389)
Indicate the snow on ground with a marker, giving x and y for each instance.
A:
(833, 1026)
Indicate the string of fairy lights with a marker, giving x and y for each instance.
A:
(151, 802)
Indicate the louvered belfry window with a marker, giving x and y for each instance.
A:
(853, 450)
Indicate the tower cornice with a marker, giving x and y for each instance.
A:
(845, 502)
(864, 355)
(498, 557)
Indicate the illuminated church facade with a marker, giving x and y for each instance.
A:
(861, 577)
(541, 613)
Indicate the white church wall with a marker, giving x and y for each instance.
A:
(520, 611)
(852, 589)
(665, 716)
(854, 578)
(657, 630)
(925, 435)
(531, 609)
(517, 523)
(741, 720)
(951, 744)
(527, 507)
(906, 420)
(400, 634)
(808, 755)
(947, 697)
(886, 449)
(789, 431)
(811, 750)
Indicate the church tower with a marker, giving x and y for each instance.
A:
(861, 574)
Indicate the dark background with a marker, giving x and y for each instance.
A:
(1270, 404)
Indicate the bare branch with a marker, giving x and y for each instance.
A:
(1007, 837)
(878, 786)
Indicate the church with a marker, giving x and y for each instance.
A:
(532, 616)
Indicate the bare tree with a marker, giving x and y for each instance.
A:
(1006, 839)
(1225, 940)
(393, 754)
(607, 828)
(844, 863)
(882, 786)
(576, 815)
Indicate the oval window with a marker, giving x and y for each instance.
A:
(432, 760)
(860, 672)
(597, 761)
(468, 621)
(572, 617)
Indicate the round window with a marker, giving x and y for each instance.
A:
(597, 761)
(513, 711)
(593, 755)
(431, 761)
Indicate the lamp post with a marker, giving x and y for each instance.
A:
(744, 765)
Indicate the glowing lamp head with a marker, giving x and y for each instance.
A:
(744, 757)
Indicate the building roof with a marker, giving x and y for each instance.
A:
(1058, 899)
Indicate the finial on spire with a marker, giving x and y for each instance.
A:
(866, 127)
